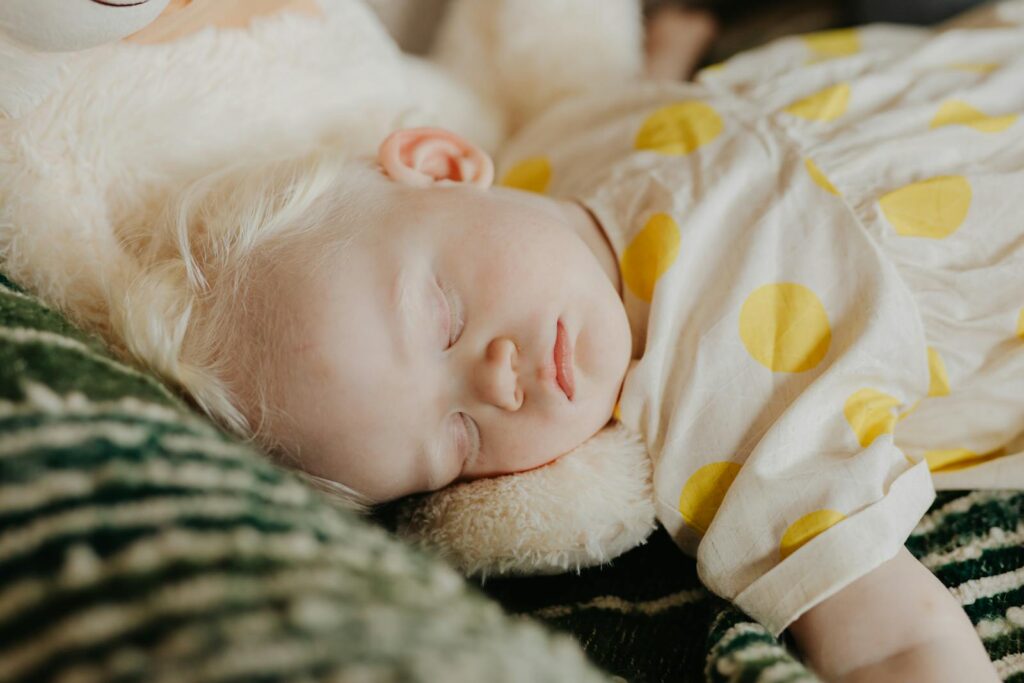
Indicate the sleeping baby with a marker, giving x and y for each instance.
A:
(800, 283)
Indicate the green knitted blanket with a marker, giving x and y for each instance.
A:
(139, 543)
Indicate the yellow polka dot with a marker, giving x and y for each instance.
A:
(956, 112)
(807, 527)
(617, 412)
(828, 44)
(933, 208)
(819, 178)
(952, 459)
(652, 252)
(946, 458)
(784, 327)
(532, 175)
(939, 382)
(712, 69)
(679, 128)
(826, 105)
(869, 413)
(704, 491)
(975, 67)
(1020, 324)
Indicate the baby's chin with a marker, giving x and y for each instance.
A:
(607, 421)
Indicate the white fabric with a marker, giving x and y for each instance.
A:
(839, 188)
(1012, 10)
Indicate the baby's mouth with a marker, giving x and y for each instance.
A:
(563, 362)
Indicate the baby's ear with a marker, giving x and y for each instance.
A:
(421, 157)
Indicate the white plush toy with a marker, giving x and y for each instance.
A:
(105, 109)
(32, 29)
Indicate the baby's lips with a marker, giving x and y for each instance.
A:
(563, 357)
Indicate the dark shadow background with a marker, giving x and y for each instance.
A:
(748, 23)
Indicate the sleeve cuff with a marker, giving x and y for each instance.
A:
(841, 555)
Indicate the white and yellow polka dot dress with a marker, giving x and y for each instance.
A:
(822, 250)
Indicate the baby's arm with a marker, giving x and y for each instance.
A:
(898, 623)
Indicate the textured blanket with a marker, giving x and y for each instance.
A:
(139, 543)
(647, 618)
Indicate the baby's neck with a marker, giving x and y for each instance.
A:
(590, 231)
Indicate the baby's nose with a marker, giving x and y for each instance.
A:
(497, 376)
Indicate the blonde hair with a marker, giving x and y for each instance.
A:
(192, 314)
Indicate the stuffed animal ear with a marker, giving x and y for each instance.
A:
(583, 509)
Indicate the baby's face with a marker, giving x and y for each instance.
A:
(429, 351)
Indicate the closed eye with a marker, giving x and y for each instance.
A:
(453, 307)
(469, 441)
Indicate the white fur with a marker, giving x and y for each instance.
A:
(583, 509)
(126, 125)
(527, 54)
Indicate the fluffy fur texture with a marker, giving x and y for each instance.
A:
(125, 127)
(527, 55)
(583, 509)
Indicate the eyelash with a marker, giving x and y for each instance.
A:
(455, 326)
(472, 432)
(455, 321)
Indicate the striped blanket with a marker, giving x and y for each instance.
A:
(139, 543)
(647, 618)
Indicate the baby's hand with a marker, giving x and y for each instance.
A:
(677, 37)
